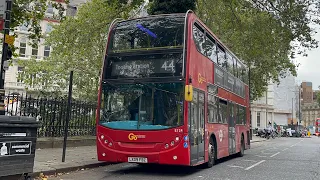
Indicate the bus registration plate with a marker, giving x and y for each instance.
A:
(138, 159)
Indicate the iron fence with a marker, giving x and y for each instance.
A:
(51, 113)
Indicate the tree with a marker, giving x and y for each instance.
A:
(318, 97)
(78, 44)
(265, 34)
(171, 6)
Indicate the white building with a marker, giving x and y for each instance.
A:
(26, 51)
(279, 104)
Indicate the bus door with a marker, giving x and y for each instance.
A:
(196, 127)
(232, 131)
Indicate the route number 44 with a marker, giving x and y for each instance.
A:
(168, 66)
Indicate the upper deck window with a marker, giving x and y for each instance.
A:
(145, 33)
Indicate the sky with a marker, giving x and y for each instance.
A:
(309, 69)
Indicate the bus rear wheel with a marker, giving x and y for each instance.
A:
(211, 154)
(241, 153)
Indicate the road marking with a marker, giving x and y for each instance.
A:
(275, 154)
(235, 166)
(249, 160)
(261, 156)
(256, 164)
(296, 143)
(285, 149)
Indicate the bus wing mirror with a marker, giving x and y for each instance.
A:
(188, 93)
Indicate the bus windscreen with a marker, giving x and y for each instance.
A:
(147, 33)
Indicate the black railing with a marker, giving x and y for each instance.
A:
(51, 112)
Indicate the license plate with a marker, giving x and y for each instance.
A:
(137, 159)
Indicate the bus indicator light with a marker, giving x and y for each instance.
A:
(185, 145)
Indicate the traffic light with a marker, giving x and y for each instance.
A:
(9, 53)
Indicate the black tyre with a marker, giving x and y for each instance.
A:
(241, 153)
(211, 154)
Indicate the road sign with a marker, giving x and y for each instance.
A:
(2, 7)
(9, 39)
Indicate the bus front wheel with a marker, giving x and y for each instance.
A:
(211, 153)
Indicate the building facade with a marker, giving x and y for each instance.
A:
(278, 105)
(310, 112)
(307, 92)
(14, 73)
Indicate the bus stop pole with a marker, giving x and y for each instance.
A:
(67, 118)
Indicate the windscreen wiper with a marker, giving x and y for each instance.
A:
(111, 84)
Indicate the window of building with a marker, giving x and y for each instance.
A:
(23, 47)
(24, 27)
(20, 74)
(46, 52)
(50, 9)
(71, 11)
(34, 53)
(258, 119)
(48, 28)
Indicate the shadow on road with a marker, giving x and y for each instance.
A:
(163, 170)
(153, 169)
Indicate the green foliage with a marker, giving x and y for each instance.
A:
(318, 97)
(171, 6)
(265, 34)
(78, 44)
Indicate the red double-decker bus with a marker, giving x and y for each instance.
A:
(171, 93)
(317, 127)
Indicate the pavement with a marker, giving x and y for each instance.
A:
(280, 158)
(49, 161)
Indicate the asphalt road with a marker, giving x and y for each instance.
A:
(280, 158)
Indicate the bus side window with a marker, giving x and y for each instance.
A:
(236, 113)
(221, 57)
(223, 111)
(199, 38)
(210, 48)
(212, 109)
(235, 71)
(230, 66)
(239, 67)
